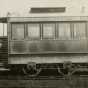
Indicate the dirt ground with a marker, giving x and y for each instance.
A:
(72, 82)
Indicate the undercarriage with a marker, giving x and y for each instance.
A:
(50, 69)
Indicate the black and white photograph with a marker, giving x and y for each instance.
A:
(43, 44)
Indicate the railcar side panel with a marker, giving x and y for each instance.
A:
(49, 46)
(40, 59)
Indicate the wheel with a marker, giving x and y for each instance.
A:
(31, 70)
(69, 68)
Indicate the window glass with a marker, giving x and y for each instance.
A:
(17, 31)
(48, 31)
(33, 30)
(79, 30)
(64, 31)
(5, 29)
(1, 29)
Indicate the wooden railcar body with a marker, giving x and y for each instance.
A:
(47, 42)
(53, 48)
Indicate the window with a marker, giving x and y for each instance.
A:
(64, 31)
(17, 31)
(49, 31)
(3, 29)
(34, 31)
(48, 10)
(79, 30)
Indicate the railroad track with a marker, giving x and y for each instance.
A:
(9, 80)
(19, 76)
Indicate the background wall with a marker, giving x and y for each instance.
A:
(73, 7)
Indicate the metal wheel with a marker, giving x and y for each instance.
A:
(69, 67)
(31, 70)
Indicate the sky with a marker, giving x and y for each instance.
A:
(23, 6)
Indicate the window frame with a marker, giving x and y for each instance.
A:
(54, 30)
(86, 30)
(57, 30)
(12, 31)
(4, 30)
(72, 30)
(31, 38)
